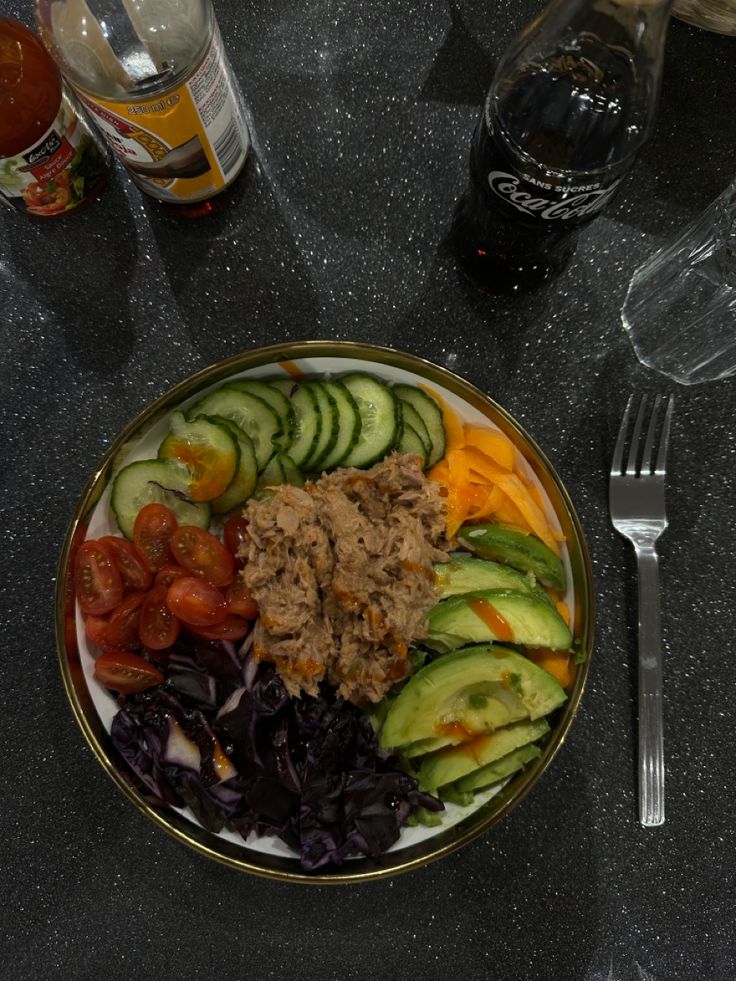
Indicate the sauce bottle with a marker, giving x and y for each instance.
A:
(51, 161)
(155, 77)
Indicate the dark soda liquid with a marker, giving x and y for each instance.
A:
(546, 157)
(502, 254)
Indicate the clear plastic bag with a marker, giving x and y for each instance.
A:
(680, 311)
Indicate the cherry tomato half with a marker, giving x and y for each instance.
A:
(153, 528)
(170, 572)
(234, 534)
(202, 555)
(132, 570)
(196, 602)
(240, 601)
(158, 627)
(122, 627)
(231, 628)
(96, 579)
(95, 628)
(125, 672)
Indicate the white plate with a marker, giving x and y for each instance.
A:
(141, 440)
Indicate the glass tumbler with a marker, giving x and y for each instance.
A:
(680, 310)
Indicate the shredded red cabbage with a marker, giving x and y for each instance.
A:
(308, 770)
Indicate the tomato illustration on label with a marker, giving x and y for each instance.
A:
(50, 197)
(56, 173)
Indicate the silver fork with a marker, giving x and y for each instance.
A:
(636, 501)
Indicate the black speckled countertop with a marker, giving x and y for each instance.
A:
(362, 114)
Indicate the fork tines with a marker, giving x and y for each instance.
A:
(634, 466)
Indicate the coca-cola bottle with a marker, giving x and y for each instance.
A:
(572, 101)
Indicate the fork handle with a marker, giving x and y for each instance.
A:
(651, 726)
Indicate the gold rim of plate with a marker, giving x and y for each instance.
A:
(240, 856)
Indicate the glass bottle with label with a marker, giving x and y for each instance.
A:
(155, 77)
(572, 101)
(51, 161)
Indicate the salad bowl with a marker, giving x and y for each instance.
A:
(94, 706)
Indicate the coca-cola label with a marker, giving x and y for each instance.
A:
(578, 202)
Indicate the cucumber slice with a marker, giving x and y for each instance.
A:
(287, 386)
(380, 419)
(278, 401)
(410, 415)
(348, 419)
(329, 428)
(410, 442)
(308, 424)
(292, 473)
(207, 449)
(272, 476)
(281, 469)
(254, 416)
(244, 482)
(431, 413)
(162, 481)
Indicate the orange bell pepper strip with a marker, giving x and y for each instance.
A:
(516, 491)
(491, 498)
(493, 444)
(556, 663)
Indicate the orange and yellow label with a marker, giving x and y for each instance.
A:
(184, 144)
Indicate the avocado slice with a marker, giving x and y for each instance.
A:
(496, 614)
(422, 746)
(452, 795)
(466, 573)
(469, 692)
(487, 775)
(523, 552)
(451, 764)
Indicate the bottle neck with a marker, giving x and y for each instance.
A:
(640, 24)
(126, 50)
(578, 89)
